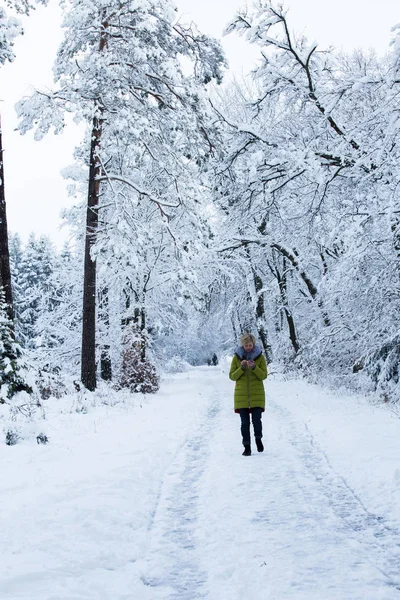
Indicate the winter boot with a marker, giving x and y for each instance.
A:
(247, 450)
(260, 445)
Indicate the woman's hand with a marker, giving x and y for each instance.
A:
(251, 364)
(243, 364)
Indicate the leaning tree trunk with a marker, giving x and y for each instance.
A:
(5, 271)
(282, 282)
(281, 278)
(293, 259)
(260, 309)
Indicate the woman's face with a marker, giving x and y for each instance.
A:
(248, 346)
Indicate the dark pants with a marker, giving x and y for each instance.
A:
(245, 425)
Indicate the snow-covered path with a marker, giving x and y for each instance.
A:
(156, 502)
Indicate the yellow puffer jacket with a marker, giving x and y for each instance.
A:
(249, 388)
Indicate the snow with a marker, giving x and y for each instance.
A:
(151, 499)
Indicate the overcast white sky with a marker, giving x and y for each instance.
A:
(35, 191)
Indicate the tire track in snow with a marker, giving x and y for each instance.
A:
(371, 530)
(171, 568)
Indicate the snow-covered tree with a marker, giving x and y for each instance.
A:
(13, 375)
(59, 319)
(308, 191)
(135, 75)
(10, 28)
(34, 283)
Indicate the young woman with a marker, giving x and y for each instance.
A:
(249, 369)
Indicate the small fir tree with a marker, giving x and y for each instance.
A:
(12, 379)
(34, 284)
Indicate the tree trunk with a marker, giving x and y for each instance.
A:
(282, 282)
(135, 316)
(105, 358)
(128, 292)
(281, 278)
(309, 284)
(140, 322)
(5, 271)
(234, 329)
(88, 357)
(105, 364)
(260, 316)
(88, 364)
(144, 332)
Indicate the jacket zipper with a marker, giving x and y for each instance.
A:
(248, 387)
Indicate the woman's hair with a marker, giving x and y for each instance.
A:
(247, 338)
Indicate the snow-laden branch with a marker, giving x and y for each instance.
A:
(256, 27)
(141, 191)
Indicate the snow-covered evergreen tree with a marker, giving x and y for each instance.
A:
(58, 323)
(13, 373)
(34, 283)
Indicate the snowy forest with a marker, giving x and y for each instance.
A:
(225, 232)
(206, 208)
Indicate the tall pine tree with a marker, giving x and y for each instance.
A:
(120, 70)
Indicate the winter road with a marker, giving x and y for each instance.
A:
(155, 502)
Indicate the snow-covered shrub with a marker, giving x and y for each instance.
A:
(137, 372)
(12, 437)
(80, 403)
(49, 383)
(176, 364)
(383, 366)
(21, 418)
